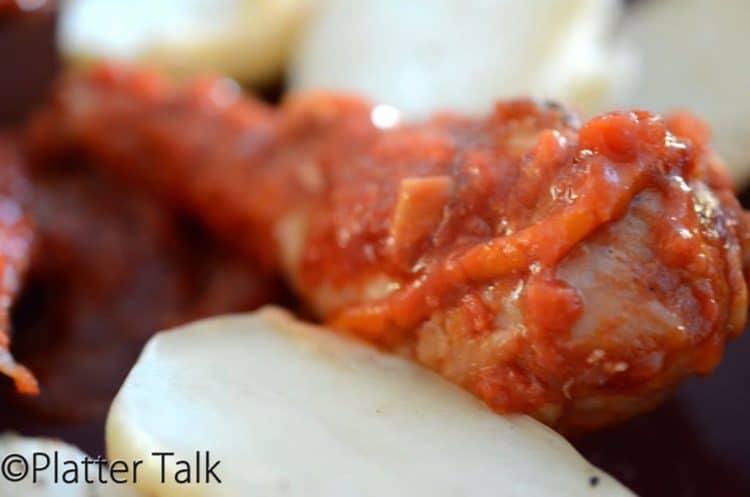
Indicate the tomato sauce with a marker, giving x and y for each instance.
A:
(575, 272)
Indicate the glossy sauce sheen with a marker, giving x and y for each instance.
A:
(573, 272)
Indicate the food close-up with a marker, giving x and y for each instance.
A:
(378, 248)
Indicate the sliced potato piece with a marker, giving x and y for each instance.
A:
(249, 40)
(423, 56)
(294, 410)
(694, 56)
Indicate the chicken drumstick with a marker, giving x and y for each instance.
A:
(572, 272)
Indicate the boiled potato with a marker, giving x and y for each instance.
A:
(294, 410)
(694, 56)
(424, 56)
(249, 40)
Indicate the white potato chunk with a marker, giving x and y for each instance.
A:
(249, 40)
(294, 410)
(694, 56)
(423, 56)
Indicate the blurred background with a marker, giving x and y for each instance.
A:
(426, 56)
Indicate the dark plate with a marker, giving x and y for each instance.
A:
(697, 444)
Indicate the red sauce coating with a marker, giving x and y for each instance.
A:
(573, 272)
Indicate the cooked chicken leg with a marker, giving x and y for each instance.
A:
(572, 272)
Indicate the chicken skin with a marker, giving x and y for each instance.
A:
(573, 272)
